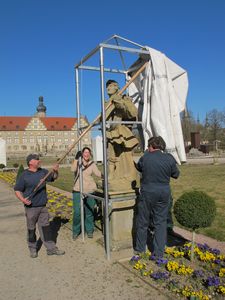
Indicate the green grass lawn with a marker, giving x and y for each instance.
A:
(210, 179)
(22, 161)
(207, 178)
(65, 180)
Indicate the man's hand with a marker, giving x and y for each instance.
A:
(26, 201)
(55, 167)
(19, 195)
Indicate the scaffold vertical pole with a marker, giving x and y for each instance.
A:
(105, 171)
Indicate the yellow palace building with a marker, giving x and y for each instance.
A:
(40, 134)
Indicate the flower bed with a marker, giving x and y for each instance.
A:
(202, 279)
(58, 204)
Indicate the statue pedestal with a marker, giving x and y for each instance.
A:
(121, 210)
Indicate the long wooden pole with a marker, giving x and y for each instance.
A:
(89, 127)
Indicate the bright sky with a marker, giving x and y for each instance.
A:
(42, 40)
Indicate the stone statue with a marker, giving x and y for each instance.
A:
(122, 174)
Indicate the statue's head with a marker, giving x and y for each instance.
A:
(112, 87)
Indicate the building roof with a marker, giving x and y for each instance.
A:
(13, 123)
(51, 123)
(58, 123)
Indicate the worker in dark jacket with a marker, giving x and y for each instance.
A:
(35, 204)
(156, 167)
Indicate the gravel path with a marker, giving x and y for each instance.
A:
(82, 273)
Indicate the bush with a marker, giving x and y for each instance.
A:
(195, 209)
(19, 172)
(15, 165)
(2, 166)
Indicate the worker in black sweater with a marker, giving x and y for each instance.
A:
(156, 167)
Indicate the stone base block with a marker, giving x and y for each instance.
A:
(121, 210)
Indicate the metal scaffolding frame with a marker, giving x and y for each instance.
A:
(80, 66)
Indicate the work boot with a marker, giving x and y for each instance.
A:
(90, 235)
(33, 254)
(55, 251)
(75, 237)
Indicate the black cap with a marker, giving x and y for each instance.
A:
(110, 81)
(32, 156)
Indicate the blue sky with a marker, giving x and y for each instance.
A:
(41, 41)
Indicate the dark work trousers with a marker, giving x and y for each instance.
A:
(170, 217)
(40, 216)
(89, 204)
(153, 205)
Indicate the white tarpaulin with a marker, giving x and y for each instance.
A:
(160, 94)
(2, 152)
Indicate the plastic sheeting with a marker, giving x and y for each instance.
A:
(2, 152)
(160, 94)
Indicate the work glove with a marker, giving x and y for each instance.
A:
(78, 155)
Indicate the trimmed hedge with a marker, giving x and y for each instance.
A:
(195, 209)
(19, 172)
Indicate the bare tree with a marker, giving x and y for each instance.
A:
(188, 125)
(215, 121)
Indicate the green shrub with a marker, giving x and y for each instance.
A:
(195, 209)
(15, 165)
(2, 166)
(20, 171)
